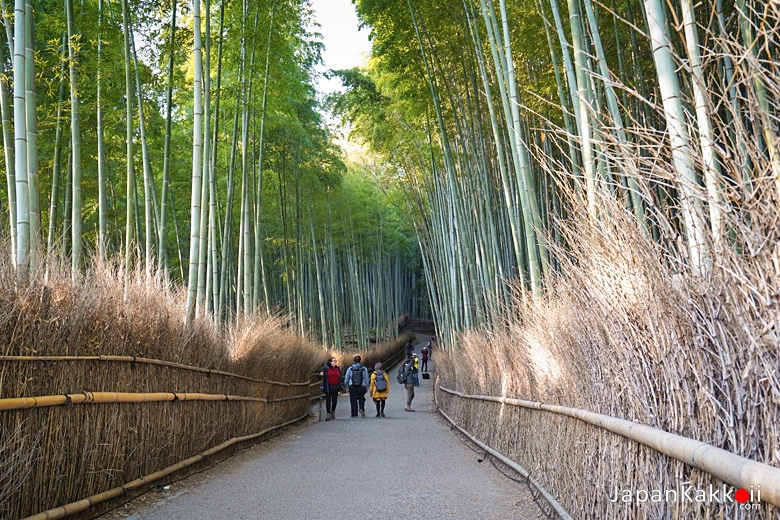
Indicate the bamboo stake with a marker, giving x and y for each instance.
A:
(22, 403)
(86, 503)
(731, 468)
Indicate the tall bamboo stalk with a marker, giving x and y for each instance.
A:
(101, 165)
(197, 166)
(669, 86)
(75, 138)
(20, 144)
(129, 146)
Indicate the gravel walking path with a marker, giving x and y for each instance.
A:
(406, 465)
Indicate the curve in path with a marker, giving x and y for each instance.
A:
(406, 465)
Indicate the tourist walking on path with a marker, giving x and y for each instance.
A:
(409, 372)
(424, 354)
(409, 350)
(379, 389)
(356, 379)
(331, 384)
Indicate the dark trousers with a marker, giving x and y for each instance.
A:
(424, 366)
(331, 398)
(380, 405)
(357, 398)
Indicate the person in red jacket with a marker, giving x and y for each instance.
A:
(331, 383)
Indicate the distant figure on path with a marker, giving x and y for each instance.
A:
(409, 371)
(424, 354)
(331, 381)
(356, 379)
(409, 350)
(380, 387)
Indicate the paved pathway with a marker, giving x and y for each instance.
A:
(406, 465)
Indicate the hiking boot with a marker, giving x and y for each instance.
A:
(383, 413)
(362, 413)
(327, 416)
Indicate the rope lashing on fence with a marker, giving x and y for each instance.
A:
(731, 468)
(562, 513)
(148, 361)
(20, 403)
(86, 503)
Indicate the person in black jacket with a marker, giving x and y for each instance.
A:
(331, 383)
(356, 379)
(409, 350)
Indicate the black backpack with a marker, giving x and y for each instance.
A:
(380, 382)
(357, 376)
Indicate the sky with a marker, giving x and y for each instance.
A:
(345, 45)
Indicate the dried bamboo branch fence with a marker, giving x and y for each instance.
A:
(67, 401)
(558, 508)
(102, 385)
(86, 503)
(724, 465)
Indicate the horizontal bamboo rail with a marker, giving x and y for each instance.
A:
(148, 361)
(562, 513)
(86, 503)
(21, 403)
(724, 465)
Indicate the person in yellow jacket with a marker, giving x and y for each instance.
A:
(380, 387)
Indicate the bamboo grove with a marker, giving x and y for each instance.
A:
(187, 139)
(504, 118)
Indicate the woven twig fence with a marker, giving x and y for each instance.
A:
(63, 446)
(557, 507)
(86, 503)
(721, 464)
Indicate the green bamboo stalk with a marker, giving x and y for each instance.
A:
(8, 152)
(162, 247)
(101, 165)
(20, 145)
(32, 138)
(712, 174)
(679, 140)
(56, 167)
(130, 191)
(201, 301)
(197, 166)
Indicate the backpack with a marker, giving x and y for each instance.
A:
(380, 382)
(357, 376)
(401, 377)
